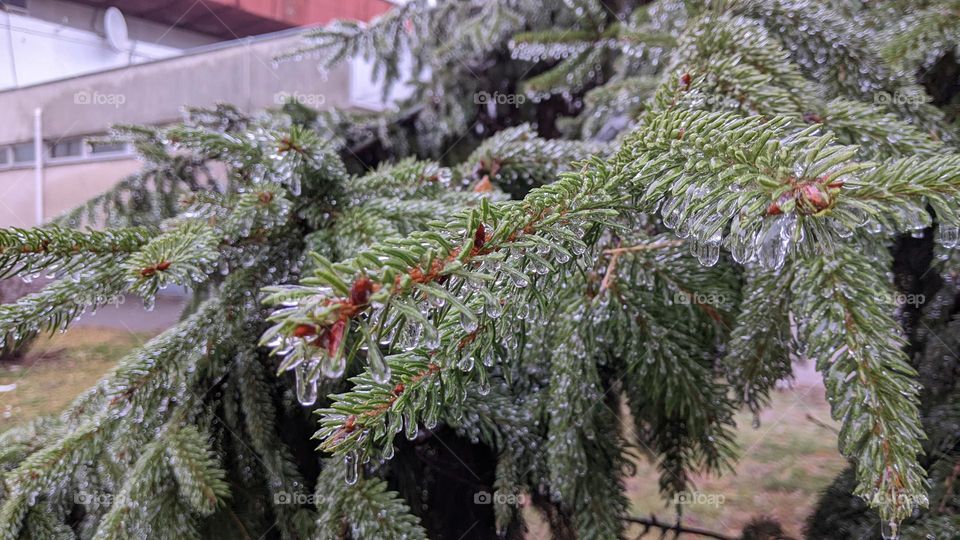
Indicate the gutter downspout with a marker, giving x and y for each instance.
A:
(38, 165)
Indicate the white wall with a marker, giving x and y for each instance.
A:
(34, 51)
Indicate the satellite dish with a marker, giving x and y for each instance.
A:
(115, 29)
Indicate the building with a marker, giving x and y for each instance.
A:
(69, 70)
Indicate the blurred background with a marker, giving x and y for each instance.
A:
(71, 69)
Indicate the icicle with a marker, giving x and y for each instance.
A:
(431, 337)
(492, 307)
(353, 472)
(411, 335)
(334, 366)
(519, 280)
(890, 530)
(379, 370)
(306, 386)
(469, 322)
(466, 363)
(773, 248)
(707, 253)
(411, 428)
(488, 359)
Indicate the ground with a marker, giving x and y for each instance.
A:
(784, 463)
(57, 369)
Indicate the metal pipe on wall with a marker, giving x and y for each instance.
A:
(38, 165)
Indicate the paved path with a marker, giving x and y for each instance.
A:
(132, 316)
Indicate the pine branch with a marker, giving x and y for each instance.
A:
(361, 507)
(28, 252)
(869, 380)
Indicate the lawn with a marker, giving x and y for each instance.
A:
(784, 464)
(57, 369)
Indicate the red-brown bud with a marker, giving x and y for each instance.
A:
(480, 237)
(304, 330)
(360, 292)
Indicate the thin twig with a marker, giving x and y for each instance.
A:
(821, 423)
(652, 521)
(644, 247)
(615, 254)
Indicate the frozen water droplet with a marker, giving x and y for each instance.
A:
(431, 337)
(488, 359)
(351, 463)
(379, 370)
(334, 366)
(707, 253)
(469, 322)
(890, 530)
(773, 248)
(492, 307)
(306, 386)
(411, 429)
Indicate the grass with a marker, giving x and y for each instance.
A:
(783, 466)
(784, 463)
(58, 368)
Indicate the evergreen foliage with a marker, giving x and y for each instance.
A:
(675, 199)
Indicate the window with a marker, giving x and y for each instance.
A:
(23, 152)
(67, 148)
(4, 156)
(19, 5)
(108, 147)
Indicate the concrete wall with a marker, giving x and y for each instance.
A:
(242, 73)
(56, 39)
(65, 186)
